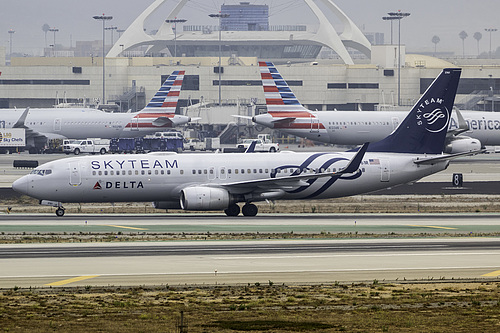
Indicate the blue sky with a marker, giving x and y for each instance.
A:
(73, 18)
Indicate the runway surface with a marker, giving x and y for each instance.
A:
(243, 262)
(264, 223)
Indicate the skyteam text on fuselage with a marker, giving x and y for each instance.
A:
(286, 113)
(203, 182)
(80, 123)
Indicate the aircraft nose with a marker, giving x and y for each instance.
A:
(21, 185)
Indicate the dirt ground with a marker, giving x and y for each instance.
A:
(356, 307)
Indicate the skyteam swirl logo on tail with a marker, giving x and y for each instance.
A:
(433, 115)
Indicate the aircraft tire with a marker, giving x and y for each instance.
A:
(250, 210)
(232, 210)
(60, 212)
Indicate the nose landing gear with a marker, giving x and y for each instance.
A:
(57, 204)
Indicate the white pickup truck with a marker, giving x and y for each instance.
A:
(263, 144)
(91, 146)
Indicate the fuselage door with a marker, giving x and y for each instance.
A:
(75, 177)
(314, 125)
(134, 122)
(395, 123)
(57, 124)
(385, 171)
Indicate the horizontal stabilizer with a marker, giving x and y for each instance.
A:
(440, 158)
(161, 121)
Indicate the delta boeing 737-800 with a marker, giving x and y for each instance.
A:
(468, 130)
(80, 123)
(203, 182)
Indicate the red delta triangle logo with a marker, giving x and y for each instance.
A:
(97, 186)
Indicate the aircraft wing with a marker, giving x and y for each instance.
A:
(30, 133)
(300, 180)
(435, 159)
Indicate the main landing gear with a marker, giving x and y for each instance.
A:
(248, 209)
(60, 211)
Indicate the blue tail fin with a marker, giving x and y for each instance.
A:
(423, 131)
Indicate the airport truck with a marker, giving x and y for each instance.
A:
(12, 140)
(263, 144)
(91, 146)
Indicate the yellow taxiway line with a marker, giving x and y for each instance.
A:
(492, 274)
(431, 226)
(124, 227)
(67, 281)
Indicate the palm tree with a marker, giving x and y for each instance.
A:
(435, 40)
(45, 28)
(477, 36)
(463, 35)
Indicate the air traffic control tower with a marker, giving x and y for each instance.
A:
(246, 32)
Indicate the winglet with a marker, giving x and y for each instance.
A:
(251, 148)
(462, 125)
(20, 122)
(355, 162)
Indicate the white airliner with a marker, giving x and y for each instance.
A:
(286, 113)
(81, 123)
(204, 182)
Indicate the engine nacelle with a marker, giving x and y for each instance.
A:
(204, 198)
(462, 145)
(166, 205)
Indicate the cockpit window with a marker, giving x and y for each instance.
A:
(41, 172)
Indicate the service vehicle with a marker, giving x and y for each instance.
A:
(263, 144)
(91, 146)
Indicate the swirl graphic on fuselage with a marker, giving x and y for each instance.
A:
(305, 166)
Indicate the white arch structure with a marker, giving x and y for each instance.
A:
(326, 35)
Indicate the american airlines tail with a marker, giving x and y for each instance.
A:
(160, 111)
(424, 130)
(283, 108)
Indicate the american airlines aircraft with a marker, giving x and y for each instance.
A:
(286, 113)
(81, 123)
(204, 182)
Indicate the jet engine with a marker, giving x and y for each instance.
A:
(462, 144)
(166, 205)
(204, 198)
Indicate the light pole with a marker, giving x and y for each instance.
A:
(11, 33)
(112, 30)
(54, 30)
(219, 16)
(390, 18)
(490, 30)
(103, 18)
(175, 21)
(399, 16)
